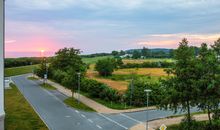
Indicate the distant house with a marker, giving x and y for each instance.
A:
(126, 56)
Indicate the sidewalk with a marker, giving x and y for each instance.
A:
(91, 103)
(153, 125)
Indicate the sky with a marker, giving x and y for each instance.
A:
(96, 26)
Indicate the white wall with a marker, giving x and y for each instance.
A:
(1, 66)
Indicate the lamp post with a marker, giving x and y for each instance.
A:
(78, 86)
(147, 92)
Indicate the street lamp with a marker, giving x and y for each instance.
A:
(78, 86)
(147, 92)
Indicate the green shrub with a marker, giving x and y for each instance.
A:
(106, 67)
(99, 90)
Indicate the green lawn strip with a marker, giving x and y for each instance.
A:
(194, 113)
(109, 104)
(19, 70)
(198, 125)
(74, 103)
(33, 78)
(47, 86)
(19, 114)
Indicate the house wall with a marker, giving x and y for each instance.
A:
(2, 113)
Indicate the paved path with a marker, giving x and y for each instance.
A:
(93, 104)
(50, 107)
(153, 125)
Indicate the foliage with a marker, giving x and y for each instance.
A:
(99, 90)
(136, 54)
(105, 67)
(136, 91)
(19, 114)
(181, 90)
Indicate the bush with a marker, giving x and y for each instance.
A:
(139, 97)
(105, 67)
(99, 90)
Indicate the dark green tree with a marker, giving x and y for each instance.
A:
(180, 89)
(216, 47)
(208, 83)
(115, 53)
(145, 52)
(136, 54)
(68, 61)
(106, 67)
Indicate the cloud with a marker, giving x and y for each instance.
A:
(172, 40)
(10, 41)
(116, 4)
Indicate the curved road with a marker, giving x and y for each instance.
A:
(57, 116)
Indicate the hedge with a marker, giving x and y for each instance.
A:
(163, 64)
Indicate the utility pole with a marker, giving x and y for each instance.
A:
(147, 92)
(78, 86)
(2, 112)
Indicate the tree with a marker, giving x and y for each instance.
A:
(180, 88)
(216, 47)
(136, 54)
(105, 67)
(145, 52)
(119, 62)
(68, 61)
(115, 53)
(122, 52)
(208, 83)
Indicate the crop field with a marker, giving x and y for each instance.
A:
(121, 77)
(125, 61)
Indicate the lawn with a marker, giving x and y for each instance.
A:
(47, 86)
(19, 114)
(109, 104)
(19, 70)
(32, 78)
(73, 103)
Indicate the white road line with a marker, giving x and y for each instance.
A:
(83, 115)
(90, 120)
(130, 118)
(99, 126)
(76, 111)
(113, 121)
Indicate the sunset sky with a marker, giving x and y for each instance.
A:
(104, 25)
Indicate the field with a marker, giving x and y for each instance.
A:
(19, 70)
(121, 77)
(20, 117)
(94, 60)
(146, 60)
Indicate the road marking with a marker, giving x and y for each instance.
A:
(76, 111)
(130, 118)
(113, 121)
(67, 116)
(90, 120)
(83, 115)
(99, 126)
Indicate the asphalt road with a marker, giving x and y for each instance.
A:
(57, 116)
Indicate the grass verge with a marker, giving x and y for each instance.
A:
(74, 103)
(19, 70)
(109, 104)
(47, 86)
(33, 78)
(19, 114)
